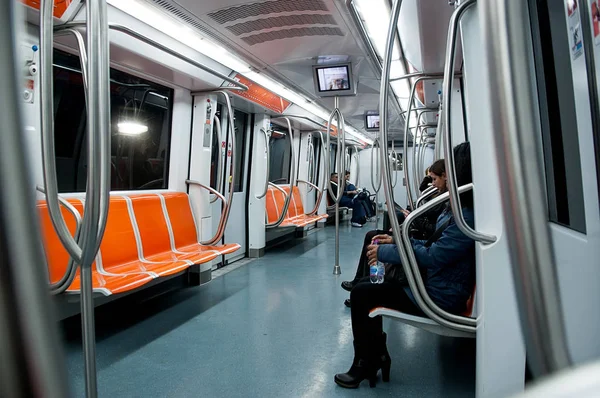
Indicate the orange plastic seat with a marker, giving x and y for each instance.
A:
(183, 226)
(295, 216)
(157, 243)
(58, 258)
(121, 252)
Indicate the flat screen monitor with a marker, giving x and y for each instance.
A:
(372, 122)
(332, 80)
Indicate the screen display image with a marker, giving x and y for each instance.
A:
(372, 121)
(333, 78)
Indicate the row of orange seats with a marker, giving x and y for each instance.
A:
(295, 216)
(147, 236)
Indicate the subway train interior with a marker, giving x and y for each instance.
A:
(191, 192)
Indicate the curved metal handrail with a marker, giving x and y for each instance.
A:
(422, 77)
(462, 320)
(226, 211)
(340, 159)
(288, 197)
(394, 155)
(310, 184)
(218, 235)
(377, 187)
(267, 171)
(384, 89)
(505, 26)
(325, 178)
(217, 126)
(71, 271)
(448, 150)
(429, 192)
(130, 32)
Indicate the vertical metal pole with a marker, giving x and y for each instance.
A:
(341, 186)
(34, 367)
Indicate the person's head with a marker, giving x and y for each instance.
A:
(462, 163)
(437, 172)
(334, 177)
(347, 175)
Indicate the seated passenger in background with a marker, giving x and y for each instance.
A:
(352, 192)
(449, 263)
(421, 228)
(358, 210)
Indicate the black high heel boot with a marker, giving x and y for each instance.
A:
(362, 368)
(383, 356)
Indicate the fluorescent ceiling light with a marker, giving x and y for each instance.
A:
(189, 37)
(375, 14)
(132, 128)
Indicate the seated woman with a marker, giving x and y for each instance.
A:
(422, 228)
(449, 263)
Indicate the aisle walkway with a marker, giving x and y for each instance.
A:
(275, 327)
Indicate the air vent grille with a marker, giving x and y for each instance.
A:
(278, 22)
(290, 33)
(182, 14)
(267, 7)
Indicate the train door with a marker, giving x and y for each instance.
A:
(235, 232)
(566, 36)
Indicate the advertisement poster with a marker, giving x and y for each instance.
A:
(576, 37)
(595, 14)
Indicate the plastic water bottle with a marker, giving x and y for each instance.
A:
(377, 270)
(373, 268)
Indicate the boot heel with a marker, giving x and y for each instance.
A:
(385, 372)
(373, 381)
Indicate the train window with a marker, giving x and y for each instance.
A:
(279, 161)
(140, 129)
(558, 114)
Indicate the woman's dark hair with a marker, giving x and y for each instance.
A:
(438, 167)
(462, 162)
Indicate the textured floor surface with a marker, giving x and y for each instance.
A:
(273, 327)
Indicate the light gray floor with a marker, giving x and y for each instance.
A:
(274, 327)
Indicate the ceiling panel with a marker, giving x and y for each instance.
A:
(284, 39)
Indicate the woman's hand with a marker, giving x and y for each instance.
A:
(372, 254)
(383, 239)
(405, 212)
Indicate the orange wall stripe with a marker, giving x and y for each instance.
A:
(60, 6)
(261, 96)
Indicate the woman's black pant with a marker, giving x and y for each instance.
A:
(367, 296)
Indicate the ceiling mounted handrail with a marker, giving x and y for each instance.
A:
(506, 41)
(288, 196)
(448, 150)
(132, 33)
